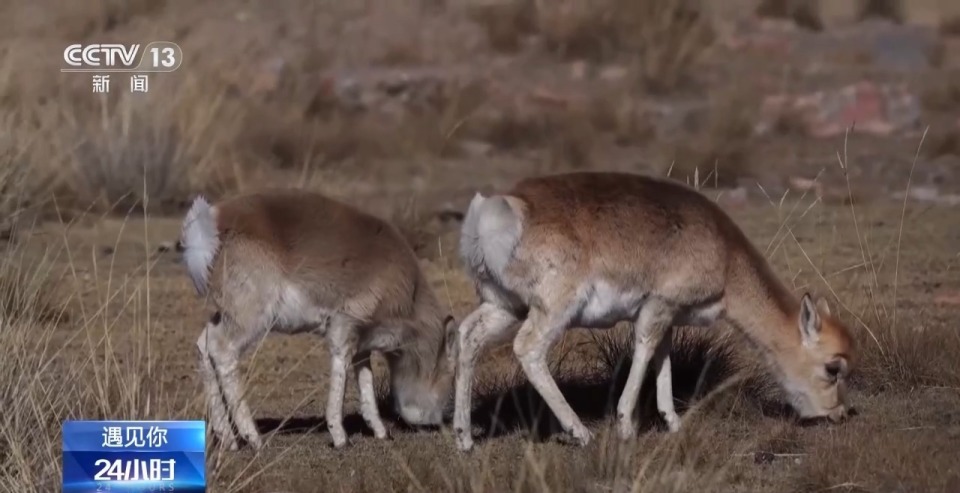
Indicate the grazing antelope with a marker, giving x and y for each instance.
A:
(293, 261)
(590, 249)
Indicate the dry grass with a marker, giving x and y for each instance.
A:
(110, 348)
(664, 38)
(94, 324)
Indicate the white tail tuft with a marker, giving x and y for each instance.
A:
(200, 242)
(490, 233)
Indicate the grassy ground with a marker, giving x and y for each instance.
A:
(98, 320)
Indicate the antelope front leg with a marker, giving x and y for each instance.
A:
(652, 322)
(217, 413)
(218, 347)
(368, 395)
(486, 325)
(537, 334)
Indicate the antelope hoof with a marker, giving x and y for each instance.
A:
(578, 436)
(254, 441)
(626, 431)
(380, 433)
(464, 441)
(339, 440)
(673, 422)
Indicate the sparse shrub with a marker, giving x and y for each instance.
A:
(804, 13)
(567, 133)
(506, 22)
(943, 143)
(721, 152)
(75, 21)
(619, 115)
(941, 92)
(885, 9)
(126, 153)
(133, 155)
(667, 36)
(578, 28)
(950, 26)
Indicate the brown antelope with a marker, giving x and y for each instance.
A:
(293, 261)
(589, 249)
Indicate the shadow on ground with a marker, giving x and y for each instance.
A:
(699, 366)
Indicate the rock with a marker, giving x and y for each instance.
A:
(549, 97)
(614, 73)
(867, 107)
(476, 148)
(578, 70)
(267, 79)
(928, 194)
(805, 185)
(736, 197)
(908, 49)
(379, 90)
(948, 298)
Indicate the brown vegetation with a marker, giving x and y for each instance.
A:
(96, 322)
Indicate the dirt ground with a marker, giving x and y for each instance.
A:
(406, 109)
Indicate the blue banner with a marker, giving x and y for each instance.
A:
(134, 456)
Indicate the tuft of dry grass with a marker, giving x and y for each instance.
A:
(28, 290)
(941, 93)
(943, 143)
(25, 179)
(950, 26)
(804, 13)
(891, 10)
(73, 21)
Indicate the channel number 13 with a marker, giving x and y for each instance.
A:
(164, 57)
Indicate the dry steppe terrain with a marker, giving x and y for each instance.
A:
(406, 108)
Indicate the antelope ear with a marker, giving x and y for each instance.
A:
(809, 321)
(823, 306)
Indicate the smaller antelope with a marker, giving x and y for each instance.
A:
(590, 249)
(293, 261)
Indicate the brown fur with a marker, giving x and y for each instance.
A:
(294, 261)
(591, 249)
(618, 219)
(344, 257)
